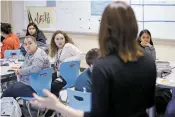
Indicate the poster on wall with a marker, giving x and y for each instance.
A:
(44, 17)
(43, 14)
(98, 6)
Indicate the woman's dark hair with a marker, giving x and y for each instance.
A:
(53, 46)
(141, 33)
(6, 28)
(118, 32)
(92, 55)
(36, 27)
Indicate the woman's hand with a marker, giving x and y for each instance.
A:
(144, 44)
(50, 102)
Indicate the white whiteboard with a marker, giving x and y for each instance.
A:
(154, 15)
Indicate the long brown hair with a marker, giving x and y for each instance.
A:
(53, 46)
(118, 32)
(141, 33)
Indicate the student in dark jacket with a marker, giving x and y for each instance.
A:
(33, 30)
(123, 78)
(84, 81)
(145, 41)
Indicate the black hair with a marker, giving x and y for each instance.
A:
(92, 55)
(147, 32)
(6, 28)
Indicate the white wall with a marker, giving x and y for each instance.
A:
(165, 49)
(18, 16)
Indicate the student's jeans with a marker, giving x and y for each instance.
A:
(19, 89)
(170, 110)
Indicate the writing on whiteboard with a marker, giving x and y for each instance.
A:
(42, 18)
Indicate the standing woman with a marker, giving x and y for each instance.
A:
(33, 30)
(123, 79)
(145, 41)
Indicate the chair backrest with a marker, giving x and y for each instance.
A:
(79, 100)
(82, 80)
(41, 80)
(70, 71)
(152, 112)
(9, 53)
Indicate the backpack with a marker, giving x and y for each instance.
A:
(163, 96)
(10, 107)
(163, 68)
(32, 111)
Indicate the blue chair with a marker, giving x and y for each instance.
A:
(10, 53)
(70, 71)
(79, 100)
(38, 82)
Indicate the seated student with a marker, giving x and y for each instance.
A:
(84, 81)
(170, 111)
(33, 30)
(145, 41)
(35, 60)
(62, 49)
(11, 41)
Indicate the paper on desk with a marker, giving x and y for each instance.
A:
(15, 67)
(165, 81)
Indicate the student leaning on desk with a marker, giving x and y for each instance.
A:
(35, 60)
(33, 30)
(123, 78)
(11, 41)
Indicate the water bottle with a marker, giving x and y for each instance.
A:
(84, 89)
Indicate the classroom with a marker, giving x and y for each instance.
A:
(99, 58)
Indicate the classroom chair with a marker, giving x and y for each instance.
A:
(79, 100)
(70, 71)
(152, 111)
(38, 82)
(11, 53)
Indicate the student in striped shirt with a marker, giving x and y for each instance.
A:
(35, 60)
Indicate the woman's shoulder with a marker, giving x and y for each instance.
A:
(69, 45)
(102, 62)
(12, 37)
(40, 53)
